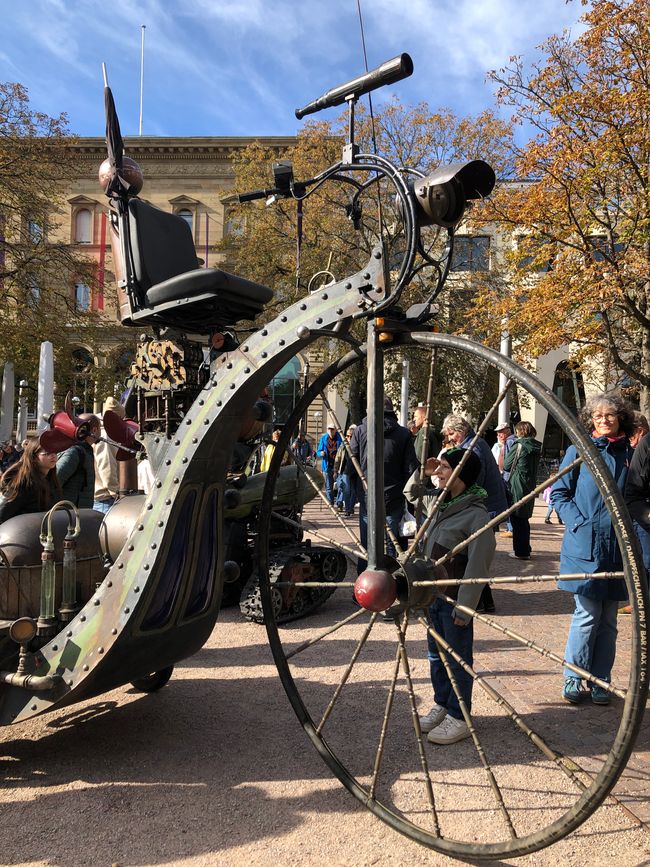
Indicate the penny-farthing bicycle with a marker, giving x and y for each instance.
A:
(464, 799)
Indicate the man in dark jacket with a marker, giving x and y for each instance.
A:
(75, 467)
(400, 462)
(637, 495)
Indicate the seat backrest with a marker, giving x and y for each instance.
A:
(161, 244)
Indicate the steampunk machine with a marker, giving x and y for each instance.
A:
(160, 597)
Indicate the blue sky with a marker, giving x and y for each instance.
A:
(241, 67)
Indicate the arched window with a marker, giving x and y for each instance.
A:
(81, 296)
(188, 216)
(83, 226)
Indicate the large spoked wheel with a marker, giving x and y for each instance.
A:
(358, 681)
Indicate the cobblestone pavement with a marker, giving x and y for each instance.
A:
(215, 768)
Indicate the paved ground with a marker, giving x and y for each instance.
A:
(215, 768)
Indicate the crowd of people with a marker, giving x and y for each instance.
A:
(418, 463)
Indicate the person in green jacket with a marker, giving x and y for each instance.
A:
(522, 462)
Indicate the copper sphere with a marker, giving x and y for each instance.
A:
(131, 172)
(375, 590)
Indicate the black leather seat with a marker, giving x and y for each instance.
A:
(170, 287)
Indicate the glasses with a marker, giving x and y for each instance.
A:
(601, 416)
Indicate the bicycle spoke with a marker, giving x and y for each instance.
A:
(347, 672)
(324, 633)
(314, 532)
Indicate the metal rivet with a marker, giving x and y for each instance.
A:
(207, 421)
(201, 402)
(264, 355)
(168, 502)
(136, 589)
(100, 650)
(219, 403)
(167, 462)
(86, 667)
(184, 461)
(161, 523)
(97, 601)
(156, 439)
(109, 583)
(176, 480)
(120, 565)
(244, 348)
(377, 254)
(126, 610)
(82, 618)
(146, 567)
(130, 548)
(303, 306)
(55, 647)
(319, 320)
(140, 527)
(324, 296)
(233, 385)
(281, 342)
(194, 440)
(113, 631)
(366, 276)
(69, 633)
(154, 546)
(229, 365)
(188, 421)
(264, 332)
(34, 707)
(348, 285)
(247, 370)
(283, 319)
(177, 442)
(159, 484)
(339, 311)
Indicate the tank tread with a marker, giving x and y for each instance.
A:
(291, 602)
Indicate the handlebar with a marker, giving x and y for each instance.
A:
(388, 73)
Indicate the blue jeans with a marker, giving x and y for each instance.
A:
(346, 494)
(644, 541)
(393, 519)
(329, 483)
(592, 636)
(103, 505)
(461, 639)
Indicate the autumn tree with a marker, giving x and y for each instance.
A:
(579, 214)
(336, 236)
(38, 266)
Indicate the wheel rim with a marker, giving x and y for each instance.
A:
(388, 796)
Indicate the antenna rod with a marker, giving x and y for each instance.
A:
(143, 28)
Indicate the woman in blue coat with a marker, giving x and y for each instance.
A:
(589, 545)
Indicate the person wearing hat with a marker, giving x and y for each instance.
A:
(75, 467)
(505, 439)
(328, 446)
(460, 514)
(400, 462)
(106, 468)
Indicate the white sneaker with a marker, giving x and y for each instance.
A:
(449, 731)
(433, 718)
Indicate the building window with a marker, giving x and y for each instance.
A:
(602, 250)
(83, 226)
(81, 297)
(471, 253)
(34, 231)
(234, 223)
(33, 292)
(188, 216)
(534, 254)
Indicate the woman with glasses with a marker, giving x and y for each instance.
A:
(589, 545)
(29, 485)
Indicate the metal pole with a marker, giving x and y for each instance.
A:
(143, 28)
(375, 506)
(21, 422)
(404, 409)
(504, 408)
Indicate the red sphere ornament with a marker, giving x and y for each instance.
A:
(375, 590)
